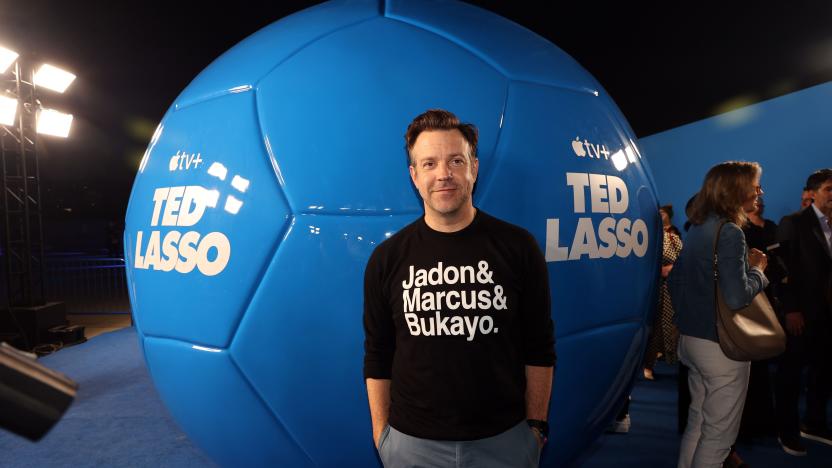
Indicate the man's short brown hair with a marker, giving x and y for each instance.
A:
(817, 179)
(438, 119)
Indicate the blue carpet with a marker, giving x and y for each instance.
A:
(653, 440)
(119, 420)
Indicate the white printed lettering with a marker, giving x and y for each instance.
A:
(578, 181)
(159, 196)
(471, 326)
(619, 199)
(172, 206)
(622, 232)
(584, 242)
(598, 193)
(606, 234)
(411, 302)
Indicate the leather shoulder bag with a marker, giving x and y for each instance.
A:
(751, 333)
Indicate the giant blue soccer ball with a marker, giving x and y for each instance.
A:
(281, 167)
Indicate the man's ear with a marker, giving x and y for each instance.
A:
(412, 174)
(475, 168)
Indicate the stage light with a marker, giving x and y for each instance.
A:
(52, 122)
(8, 110)
(53, 78)
(22, 122)
(7, 58)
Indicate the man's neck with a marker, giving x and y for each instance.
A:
(825, 213)
(453, 223)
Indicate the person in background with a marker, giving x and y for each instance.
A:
(806, 198)
(683, 391)
(758, 415)
(806, 237)
(717, 384)
(664, 335)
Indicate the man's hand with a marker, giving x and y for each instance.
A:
(539, 437)
(378, 394)
(795, 323)
(377, 436)
(666, 270)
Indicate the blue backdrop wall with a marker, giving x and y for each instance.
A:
(790, 136)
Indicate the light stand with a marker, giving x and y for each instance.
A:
(23, 245)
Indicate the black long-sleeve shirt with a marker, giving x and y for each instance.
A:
(761, 238)
(453, 319)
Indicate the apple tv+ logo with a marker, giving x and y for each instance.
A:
(585, 148)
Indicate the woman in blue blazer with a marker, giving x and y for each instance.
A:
(717, 383)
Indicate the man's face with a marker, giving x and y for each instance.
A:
(805, 199)
(823, 198)
(442, 172)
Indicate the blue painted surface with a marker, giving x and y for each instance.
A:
(311, 111)
(789, 136)
(222, 131)
(223, 413)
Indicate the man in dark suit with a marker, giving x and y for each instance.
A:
(806, 295)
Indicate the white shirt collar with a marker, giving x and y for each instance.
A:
(819, 213)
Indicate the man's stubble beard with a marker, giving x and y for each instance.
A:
(463, 201)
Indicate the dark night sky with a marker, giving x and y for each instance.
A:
(664, 66)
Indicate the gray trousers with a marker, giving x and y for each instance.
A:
(717, 391)
(516, 447)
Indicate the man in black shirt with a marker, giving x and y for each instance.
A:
(459, 340)
(758, 413)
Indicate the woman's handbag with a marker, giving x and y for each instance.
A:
(751, 333)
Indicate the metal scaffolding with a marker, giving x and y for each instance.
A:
(22, 209)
